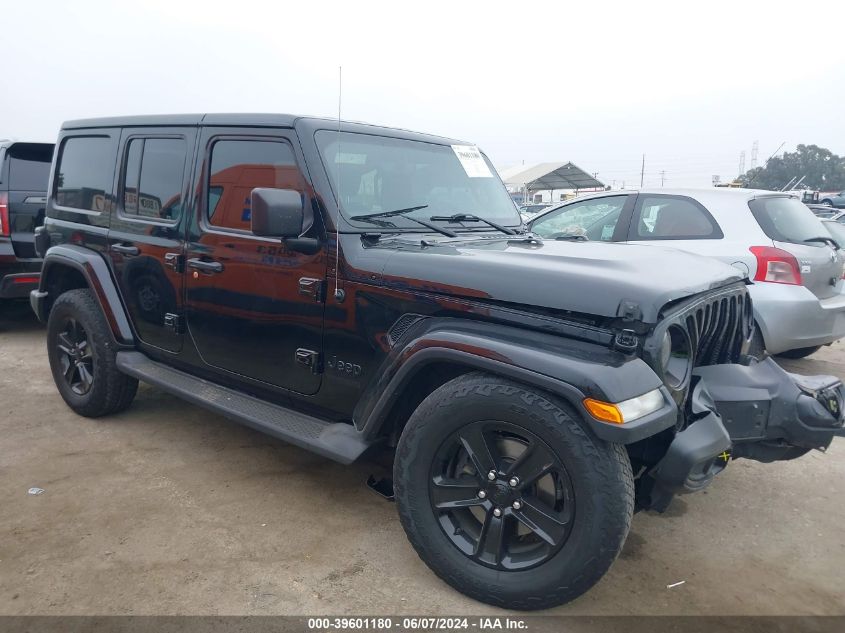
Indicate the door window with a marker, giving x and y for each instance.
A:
(595, 219)
(673, 218)
(153, 178)
(239, 166)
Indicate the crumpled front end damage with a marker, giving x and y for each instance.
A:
(755, 410)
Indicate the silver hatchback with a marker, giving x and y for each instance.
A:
(794, 266)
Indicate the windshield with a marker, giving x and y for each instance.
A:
(786, 219)
(378, 174)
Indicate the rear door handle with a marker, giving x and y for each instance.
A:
(205, 266)
(125, 249)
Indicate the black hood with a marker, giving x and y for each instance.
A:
(591, 278)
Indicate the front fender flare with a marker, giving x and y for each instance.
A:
(96, 272)
(569, 369)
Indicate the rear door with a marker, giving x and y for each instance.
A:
(146, 233)
(25, 173)
(794, 229)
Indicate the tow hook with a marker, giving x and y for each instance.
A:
(382, 486)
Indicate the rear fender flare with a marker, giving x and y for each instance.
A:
(96, 273)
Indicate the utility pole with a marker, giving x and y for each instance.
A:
(662, 177)
(754, 149)
(642, 173)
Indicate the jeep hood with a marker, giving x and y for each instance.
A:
(592, 278)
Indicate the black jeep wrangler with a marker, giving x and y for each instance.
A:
(351, 288)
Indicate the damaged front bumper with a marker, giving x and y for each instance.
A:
(756, 410)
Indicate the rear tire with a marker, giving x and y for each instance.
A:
(583, 522)
(801, 352)
(82, 357)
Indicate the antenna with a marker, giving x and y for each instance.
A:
(338, 293)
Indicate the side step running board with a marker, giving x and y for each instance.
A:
(337, 441)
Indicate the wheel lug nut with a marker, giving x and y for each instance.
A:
(517, 505)
(514, 482)
(491, 475)
(481, 494)
(497, 512)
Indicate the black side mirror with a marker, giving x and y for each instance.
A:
(279, 213)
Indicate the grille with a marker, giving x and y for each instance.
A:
(719, 325)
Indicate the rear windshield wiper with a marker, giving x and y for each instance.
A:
(402, 213)
(467, 217)
(824, 240)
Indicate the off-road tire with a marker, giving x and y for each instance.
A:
(111, 391)
(801, 352)
(600, 473)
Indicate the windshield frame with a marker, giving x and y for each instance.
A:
(342, 217)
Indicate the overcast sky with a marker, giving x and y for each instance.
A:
(689, 85)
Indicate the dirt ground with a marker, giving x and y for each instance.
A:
(168, 509)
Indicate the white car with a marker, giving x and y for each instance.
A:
(794, 266)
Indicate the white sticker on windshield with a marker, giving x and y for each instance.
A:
(472, 161)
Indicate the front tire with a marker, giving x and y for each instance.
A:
(801, 352)
(82, 357)
(507, 495)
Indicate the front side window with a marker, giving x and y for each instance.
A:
(594, 219)
(377, 174)
(84, 173)
(671, 218)
(239, 166)
(153, 177)
(786, 219)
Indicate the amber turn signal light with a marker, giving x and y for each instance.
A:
(604, 411)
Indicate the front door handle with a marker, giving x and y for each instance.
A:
(205, 266)
(125, 249)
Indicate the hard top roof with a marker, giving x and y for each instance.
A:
(250, 120)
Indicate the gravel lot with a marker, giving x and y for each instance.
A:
(168, 509)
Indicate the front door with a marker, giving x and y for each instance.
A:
(146, 230)
(254, 306)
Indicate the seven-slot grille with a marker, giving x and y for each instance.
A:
(718, 325)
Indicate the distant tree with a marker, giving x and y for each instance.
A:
(821, 169)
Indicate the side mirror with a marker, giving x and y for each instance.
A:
(278, 213)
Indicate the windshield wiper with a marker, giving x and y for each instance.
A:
(573, 238)
(402, 213)
(824, 240)
(467, 217)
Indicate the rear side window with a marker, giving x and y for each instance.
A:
(153, 177)
(673, 218)
(786, 219)
(239, 166)
(84, 173)
(29, 166)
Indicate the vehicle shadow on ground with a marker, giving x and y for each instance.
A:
(17, 316)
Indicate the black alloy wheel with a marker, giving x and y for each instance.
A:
(75, 356)
(501, 495)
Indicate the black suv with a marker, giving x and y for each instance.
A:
(24, 171)
(351, 288)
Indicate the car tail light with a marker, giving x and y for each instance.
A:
(5, 227)
(776, 266)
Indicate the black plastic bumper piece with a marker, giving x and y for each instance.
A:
(18, 285)
(769, 413)
(337, 441)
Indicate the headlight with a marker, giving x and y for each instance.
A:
(675, 357)
(627, 410)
